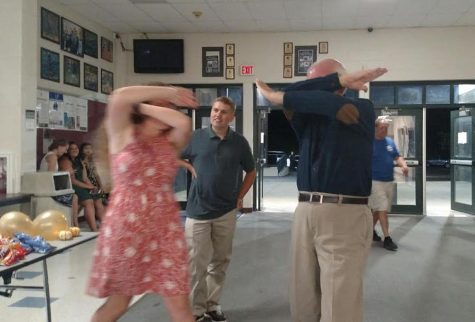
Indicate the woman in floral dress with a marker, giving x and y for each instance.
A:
(141, 246)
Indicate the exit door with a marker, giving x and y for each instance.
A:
(461, 160)
(406, 131)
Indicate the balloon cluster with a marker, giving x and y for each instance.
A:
(51, 225)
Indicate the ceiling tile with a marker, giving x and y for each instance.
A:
(148, 26)
(273, 25)
(161, 12)
(242, 25)
(267, 9)
(306, 25)
(186, 9)
(303, 9)
(94, 13)
(236, 11)
(338, 8)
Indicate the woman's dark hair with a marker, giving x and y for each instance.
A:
(82, 156)
(57, 143)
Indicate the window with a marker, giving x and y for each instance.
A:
(438, 94)
(464, 93)
(408, 95)
(382, 95)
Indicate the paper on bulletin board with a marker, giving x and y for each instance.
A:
(42, 108)
(56, 108)
(69, 113)
(81, 114)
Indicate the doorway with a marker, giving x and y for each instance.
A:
(438, 161)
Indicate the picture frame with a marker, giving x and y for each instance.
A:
(212, 62)
(72, 37)
(91, 77)
(107, 82)
(230, 49)
(323, 47)
(305, 56)
(49, 65)
(230, 73)
(287, 72)
(230, 61)
(71, 71)
(287, 59)
(50, 26)
(90, 43)
(107, 49)
(288, 48)
(6, 173)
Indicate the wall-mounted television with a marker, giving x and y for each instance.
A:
(160, 56)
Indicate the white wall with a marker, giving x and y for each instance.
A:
(16, 55)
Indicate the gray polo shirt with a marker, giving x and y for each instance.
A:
(219, 165)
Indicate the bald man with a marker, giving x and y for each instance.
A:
(333, 225)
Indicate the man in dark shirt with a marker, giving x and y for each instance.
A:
(332, 228)
(219, 155)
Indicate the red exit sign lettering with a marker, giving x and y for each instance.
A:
(247, 70)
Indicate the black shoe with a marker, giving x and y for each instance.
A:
(376, 236)
(216, 316)
(202, 318)
(389, 244)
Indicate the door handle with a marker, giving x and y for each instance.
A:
(461, 162)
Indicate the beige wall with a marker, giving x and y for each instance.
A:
(410, 54)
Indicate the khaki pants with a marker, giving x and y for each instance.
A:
(329, 249)
(210, 246)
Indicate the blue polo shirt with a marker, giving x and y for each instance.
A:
(384, 153)
(219, 165)
(334, 157)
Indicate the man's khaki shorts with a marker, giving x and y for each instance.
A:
(381, 196)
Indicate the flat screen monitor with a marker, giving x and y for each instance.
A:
(160, 56)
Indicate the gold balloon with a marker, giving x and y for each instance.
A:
(49, 223)
(14, 222)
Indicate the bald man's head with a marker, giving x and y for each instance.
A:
(325, 67)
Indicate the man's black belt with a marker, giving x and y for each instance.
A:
(315, 197)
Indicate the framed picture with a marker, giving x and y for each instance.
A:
(91, 77)
(323, 47)
(304, 57)
(229, 61)
(6, 173)
(230, 49)
(49, 65)
(288, 48)
(230, 73)
(107, 49)
(50, 25)
(72, 37)
(287, 59)
(107, 81)
(71, 71)
(90, 43)
(212, 62)
(287, 72)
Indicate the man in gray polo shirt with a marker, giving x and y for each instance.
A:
(218, 155)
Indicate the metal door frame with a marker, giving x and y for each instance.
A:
(470, 209)
(419, 126)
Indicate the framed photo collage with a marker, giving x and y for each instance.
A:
(76, 41)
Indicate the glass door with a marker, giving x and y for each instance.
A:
(406, 131)
(461, 160)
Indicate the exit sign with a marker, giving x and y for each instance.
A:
(247, 70)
